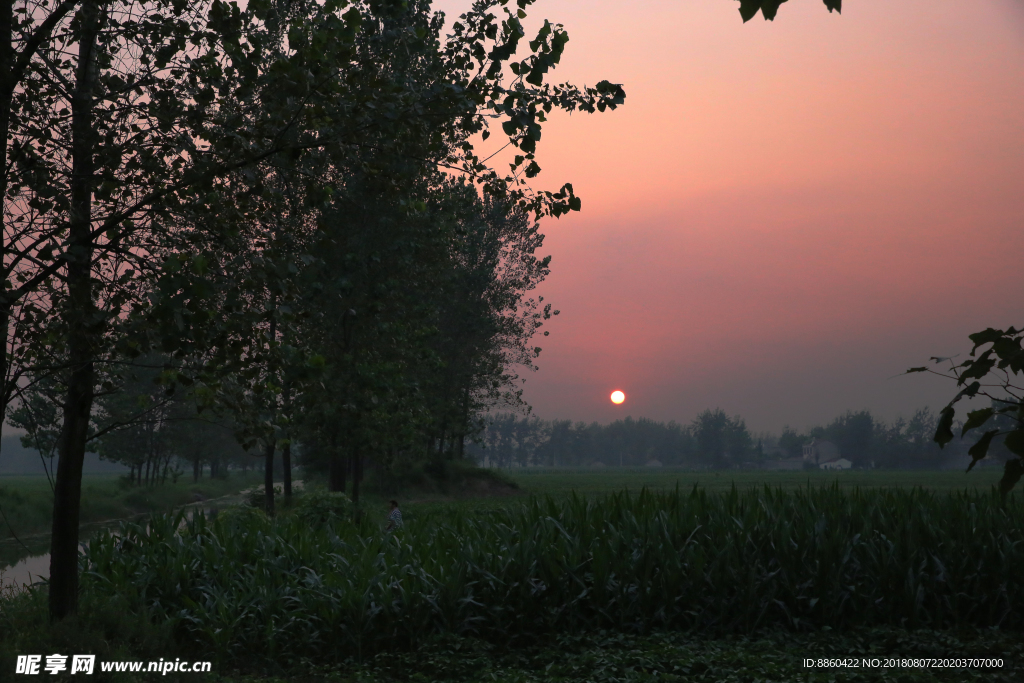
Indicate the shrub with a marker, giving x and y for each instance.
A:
(319, 508)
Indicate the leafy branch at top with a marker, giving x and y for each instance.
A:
(768, 8)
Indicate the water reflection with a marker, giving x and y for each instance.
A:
(28, 562)
(26, 572)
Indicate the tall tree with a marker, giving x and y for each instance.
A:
(721, 440)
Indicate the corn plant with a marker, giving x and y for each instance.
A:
(244, 587)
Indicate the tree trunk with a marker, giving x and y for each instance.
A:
(286, 451)
(286, 464)
(336, 474)
(268, 471)
(67, 493)
(195, 470)
(357, 475)
(461, 444)
(81, 317)
(338, 467)
(7, 57)
(5, 309)
(268, 479)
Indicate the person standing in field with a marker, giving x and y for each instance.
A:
(394, 517)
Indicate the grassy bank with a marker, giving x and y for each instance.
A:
(27, 502)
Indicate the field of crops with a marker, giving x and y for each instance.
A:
(243, 586)
(318, 586)
(591, 481)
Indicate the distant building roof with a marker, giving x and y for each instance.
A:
(819, 451)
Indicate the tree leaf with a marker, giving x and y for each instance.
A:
(978, 368)
(987, 336)
(944, 430)
(1007, 348)
(748, 8)
(1012, 472)
(976, 418)
(980, 449)
(970, 392)
(1015, 441)
(769, 8)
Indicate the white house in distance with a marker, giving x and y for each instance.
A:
(825, 455)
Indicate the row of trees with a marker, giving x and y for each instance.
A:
(141, 426)
(868, 441)
(713, 439)
(277, 210)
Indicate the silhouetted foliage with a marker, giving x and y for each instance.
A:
(994, 373)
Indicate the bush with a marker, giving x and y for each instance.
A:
(317, 509)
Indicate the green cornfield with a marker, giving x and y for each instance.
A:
(243, 588)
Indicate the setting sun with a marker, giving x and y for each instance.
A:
(618, 397)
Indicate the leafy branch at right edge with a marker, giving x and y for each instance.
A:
(995, 369)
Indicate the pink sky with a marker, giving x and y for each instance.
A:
(784, 214)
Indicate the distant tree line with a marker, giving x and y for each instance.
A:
(712, 440)
(867, 441)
